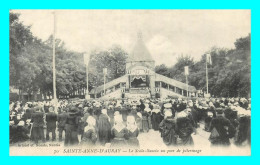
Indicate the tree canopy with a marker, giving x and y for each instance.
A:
(228, 76)
(31, 66)
(31, 63)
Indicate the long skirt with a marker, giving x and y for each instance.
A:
(186, 141)
(118, 143)
(133, 142)
(145, 125)
(139, 124)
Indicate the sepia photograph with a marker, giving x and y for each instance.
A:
(130, 82)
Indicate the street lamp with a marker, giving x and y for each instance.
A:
(86, 61)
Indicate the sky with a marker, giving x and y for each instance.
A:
(166, 33)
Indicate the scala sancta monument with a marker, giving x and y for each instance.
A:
(141, 81)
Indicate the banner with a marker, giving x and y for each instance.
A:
(208, 59)
(104, 71)
(186, 70)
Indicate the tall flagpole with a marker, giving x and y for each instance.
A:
(186, 72)
(87, 79)
(187, 86)
(86, 60)
(104, 85)
(207, 74)
(53, 61)
(105, 73)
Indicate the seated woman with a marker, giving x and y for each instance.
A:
(133, 132)
(119, 133)
(89, 136)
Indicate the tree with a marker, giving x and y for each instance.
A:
(113, 59)
(177, 71)
(228, 76)
(162, 69)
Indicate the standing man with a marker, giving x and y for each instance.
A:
(51, 119)
(71, 127)
(37, 126)
(62, 117)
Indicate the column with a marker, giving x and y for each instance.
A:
(152, 85)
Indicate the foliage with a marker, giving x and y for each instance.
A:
(229, 76)
(31, 63)
(31, 66)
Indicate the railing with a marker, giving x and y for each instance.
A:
(139, 90)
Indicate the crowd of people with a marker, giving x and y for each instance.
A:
(117, 123)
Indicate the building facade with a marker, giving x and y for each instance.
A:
(141, 81)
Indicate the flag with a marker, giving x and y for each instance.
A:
(186, 70)
(208, 58)
(104, 71)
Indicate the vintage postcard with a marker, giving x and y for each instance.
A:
(130, 82)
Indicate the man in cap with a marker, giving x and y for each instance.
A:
(37, 126)
(51, 119)
(156, 117)
(71, 127)
(221, 130)
(62, 117)
(141, 106)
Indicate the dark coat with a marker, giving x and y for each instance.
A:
(132, 141)
(225, 131)
(89, 138)
(119, 138)
(104, 129)
(37, 119)
(184, 129)
(62, 119)
(156, 120)
(244, 130)
(168, 131)
(51, 119)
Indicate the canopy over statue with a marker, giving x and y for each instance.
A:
(140, 80)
